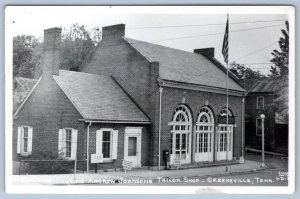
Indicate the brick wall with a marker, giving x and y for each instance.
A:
(172, 97)
(115, 57)
(251, 108)
(120, 155)
(47, 110)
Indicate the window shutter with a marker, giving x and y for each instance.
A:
(19, 140)
(74, 144)
(115, 145)
(60, 143)
(99, 142)
(64, 144)
(29, 146)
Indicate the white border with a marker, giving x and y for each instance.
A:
(10, 188)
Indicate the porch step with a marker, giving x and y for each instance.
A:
(204, 164)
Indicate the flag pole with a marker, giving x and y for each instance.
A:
(225, 52)
(227, 101)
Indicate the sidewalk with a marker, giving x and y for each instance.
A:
(111, 177)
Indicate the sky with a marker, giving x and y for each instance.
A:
(252, 38)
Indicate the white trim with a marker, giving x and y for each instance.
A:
(28, 152)
(263, 106)
(197, 87)
(110, 141)
(133, 132)
(35, 85)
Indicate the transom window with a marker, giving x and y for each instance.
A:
(205, 120)
(225, 111)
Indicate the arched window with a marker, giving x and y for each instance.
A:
(181, 128)
(224, 112)
(205, 118)
(182, 118)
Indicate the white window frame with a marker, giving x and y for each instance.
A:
(20, 141)
(113, 144)
(263, 102)
(256, 127)
(62, 143)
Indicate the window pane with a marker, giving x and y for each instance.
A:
(106, 136)
(106, 149)
(68, 142)
(132, 143)
(183, 141)
(68, 149)
(177, 145)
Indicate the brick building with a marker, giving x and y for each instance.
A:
(134, 101)
(261, 94)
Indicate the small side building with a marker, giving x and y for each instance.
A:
(64, 109)
(260, 100)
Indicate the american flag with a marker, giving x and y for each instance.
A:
(225, 42)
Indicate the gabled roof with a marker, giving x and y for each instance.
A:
(98, 97)
(22, 90)
(265, 85)
(182, 66)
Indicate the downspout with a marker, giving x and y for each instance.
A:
(242, 159)
(87, 147)
(159, 125)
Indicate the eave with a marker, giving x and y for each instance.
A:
(198, 87)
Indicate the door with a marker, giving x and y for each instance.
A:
(181, 147)
(132, 145)
(204, 147)
(224, 142)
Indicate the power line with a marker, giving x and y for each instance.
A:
(256, 51)
(219, 33)
(257, 63)
(199, 25)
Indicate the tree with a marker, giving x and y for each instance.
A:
(281, 57)
(243, 72)
(77, 44)
(25, 56)
(281, 101)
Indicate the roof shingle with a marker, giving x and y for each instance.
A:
(182, 66)
(98, 97)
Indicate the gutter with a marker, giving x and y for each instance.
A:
(87, 147)
(159, 125)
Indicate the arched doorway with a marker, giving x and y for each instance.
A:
(204, 135)
(224, 135)
(181, 131)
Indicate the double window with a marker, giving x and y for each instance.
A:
(107, 144)
(67, 143)
(24, 143)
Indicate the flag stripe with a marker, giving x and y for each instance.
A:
(225, 43)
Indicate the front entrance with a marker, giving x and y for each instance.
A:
(181, 135)
(132, 145)
(204, 136)
(224, 142)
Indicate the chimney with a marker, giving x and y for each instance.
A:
(207, 52)
(113, 33)
(51, 52)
